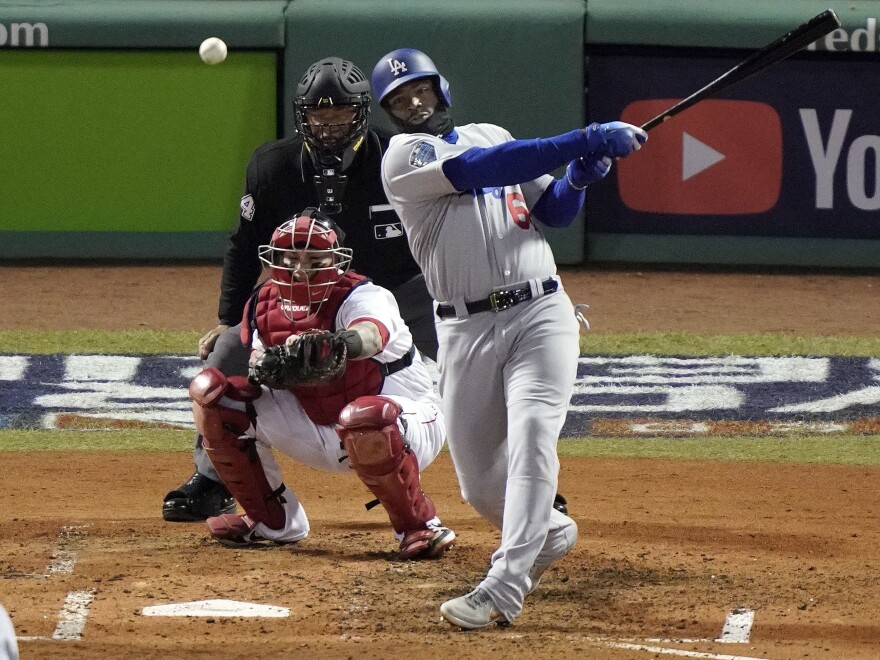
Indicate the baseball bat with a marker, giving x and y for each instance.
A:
(785, 46)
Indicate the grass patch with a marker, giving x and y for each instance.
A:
(700, 345)
(158, 342)
(99, 342)
(839, 449)
(115, 440)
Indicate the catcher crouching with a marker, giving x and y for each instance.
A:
(335, 382)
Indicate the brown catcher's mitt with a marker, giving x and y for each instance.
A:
(315, 358)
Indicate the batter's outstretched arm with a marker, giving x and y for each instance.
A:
(518, 161)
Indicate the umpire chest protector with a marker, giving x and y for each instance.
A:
(325, 401)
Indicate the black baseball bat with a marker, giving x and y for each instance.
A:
(785, 46)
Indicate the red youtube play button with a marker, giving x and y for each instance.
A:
(716, 158)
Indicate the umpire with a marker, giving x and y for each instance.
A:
(332, 162)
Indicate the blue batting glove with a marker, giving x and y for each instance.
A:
(614, 139)
(584, 171)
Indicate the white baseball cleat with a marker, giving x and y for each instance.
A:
(472, 611)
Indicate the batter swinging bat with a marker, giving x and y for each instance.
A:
(785, 46)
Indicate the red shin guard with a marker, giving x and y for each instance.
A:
(382, 459)
(233, 454)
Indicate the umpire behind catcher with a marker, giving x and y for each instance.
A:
(333, 163)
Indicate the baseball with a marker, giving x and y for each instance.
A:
(213, 50)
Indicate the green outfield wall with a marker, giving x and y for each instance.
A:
(118, 142)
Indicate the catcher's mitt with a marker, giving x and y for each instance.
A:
(315, 358)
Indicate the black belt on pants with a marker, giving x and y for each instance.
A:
(499, 300)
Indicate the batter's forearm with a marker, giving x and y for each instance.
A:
(514, 162)
(559, 204)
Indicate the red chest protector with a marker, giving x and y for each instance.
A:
(324, 402)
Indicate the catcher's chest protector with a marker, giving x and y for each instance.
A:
(324, 402)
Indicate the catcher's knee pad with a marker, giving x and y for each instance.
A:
(233, 454)
(381, 457)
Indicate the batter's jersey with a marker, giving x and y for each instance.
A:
(368, 302)
(468, 242)
(279, 184)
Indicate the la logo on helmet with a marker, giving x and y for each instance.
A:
(397, 67)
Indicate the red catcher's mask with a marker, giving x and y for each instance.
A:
(305, 259)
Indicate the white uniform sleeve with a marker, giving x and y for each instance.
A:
(412, 167)
(371, 302)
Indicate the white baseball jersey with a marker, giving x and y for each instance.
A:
(468, 242)
(283, 424)
(368, 302)
(505, 377)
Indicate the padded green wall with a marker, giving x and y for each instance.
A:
(516, 63)
(129, 141)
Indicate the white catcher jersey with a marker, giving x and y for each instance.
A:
(472, 242)
(368, 302)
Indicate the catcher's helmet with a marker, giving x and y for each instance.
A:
(305, 259)
(333, 83)
(402, 66)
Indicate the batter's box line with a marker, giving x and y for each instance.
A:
(63, 557)
(71, 618)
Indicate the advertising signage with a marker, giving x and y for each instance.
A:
(793, 152)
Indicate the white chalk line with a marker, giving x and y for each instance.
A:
(737, 627)
(72, 617)
(64, 559)
(661, 650)
(73, 614)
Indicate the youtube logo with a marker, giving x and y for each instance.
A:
(716, 158)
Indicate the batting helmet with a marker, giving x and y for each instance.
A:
(305, 259)
(332, 83)
(403, 65)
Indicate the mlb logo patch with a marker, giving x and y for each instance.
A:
(422, 154)
(392, 230)
(248, 207)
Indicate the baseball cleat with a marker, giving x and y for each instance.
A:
(472, 611)
(198, 499)
(431, 543)
(237, 531)
(560, 504)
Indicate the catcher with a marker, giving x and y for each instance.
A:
(335, 382)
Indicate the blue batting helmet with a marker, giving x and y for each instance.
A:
(402, 66)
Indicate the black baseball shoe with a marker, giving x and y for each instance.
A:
(560, 504)
(198, 499)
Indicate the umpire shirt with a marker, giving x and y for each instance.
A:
(280, 183)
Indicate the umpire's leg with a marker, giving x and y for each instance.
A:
(202, 495)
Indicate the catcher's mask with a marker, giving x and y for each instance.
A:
(305, 259)
(331, 108)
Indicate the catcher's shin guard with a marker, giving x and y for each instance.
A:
(234, 455)
(382, 459)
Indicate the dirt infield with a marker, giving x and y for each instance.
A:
(668, 551)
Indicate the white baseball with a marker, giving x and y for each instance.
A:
(213, 50)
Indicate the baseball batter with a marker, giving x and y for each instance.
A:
(470, 198)
(336, 362)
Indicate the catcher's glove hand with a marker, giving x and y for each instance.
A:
(314, 358)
